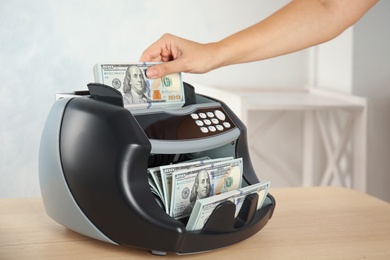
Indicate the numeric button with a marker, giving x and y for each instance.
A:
(204, 129)
(199, 122)
(210, 114)
(194, 116)
(219, 127)
(226, 124)
(207, 122)
(212, 128)
(215, 121)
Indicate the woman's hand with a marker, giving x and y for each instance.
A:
(179, 55)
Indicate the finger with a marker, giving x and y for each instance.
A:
(158, 51)
(149, 55)
(152, 53)
(163, 69)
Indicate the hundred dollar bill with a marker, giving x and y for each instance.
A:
(193, 184)
(154, 176)
(152, 186)
(260, 188)
(203, 208)
(155, 191)
(137, 90)
(167, 170)
(155, 183)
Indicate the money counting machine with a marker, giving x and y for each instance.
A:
(93, 162)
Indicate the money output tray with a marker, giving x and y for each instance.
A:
(93, 161)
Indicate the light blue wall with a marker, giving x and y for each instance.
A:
(371, 79)
(51, 46)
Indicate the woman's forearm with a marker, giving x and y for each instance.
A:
(296, 26)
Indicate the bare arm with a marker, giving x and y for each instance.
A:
(296, 26)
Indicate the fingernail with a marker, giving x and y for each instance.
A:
(151, 73)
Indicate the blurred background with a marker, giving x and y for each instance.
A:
(49, 46)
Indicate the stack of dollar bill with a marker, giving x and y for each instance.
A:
(204, 207)
(195, 188)
(137, 90)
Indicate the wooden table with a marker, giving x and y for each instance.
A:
(308, 223)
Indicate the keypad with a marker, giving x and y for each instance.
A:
(211, 121)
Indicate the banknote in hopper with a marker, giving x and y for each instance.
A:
(203, 208)
(193, 184)
(137, 90)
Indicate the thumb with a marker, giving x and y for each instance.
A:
(163, 69)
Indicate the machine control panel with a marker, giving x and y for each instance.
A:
(199, 123)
